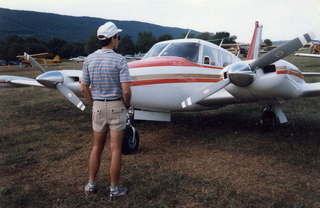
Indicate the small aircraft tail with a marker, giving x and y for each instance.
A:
(254, 48)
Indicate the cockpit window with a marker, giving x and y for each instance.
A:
(185, 50)
(155, 50)
(188, 51)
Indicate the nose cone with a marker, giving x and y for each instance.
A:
(240, 74)
(241, 79)
(50, 79)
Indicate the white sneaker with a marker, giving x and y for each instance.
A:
(90, 188)
(117, 192)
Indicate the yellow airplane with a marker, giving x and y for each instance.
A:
(41, 58)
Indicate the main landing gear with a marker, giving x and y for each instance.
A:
(131, 138)
(272, 117)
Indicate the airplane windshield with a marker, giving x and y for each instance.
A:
(188, 51)
(155, 50)
(185, 50)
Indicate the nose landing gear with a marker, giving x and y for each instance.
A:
(272, 117)
(131, 138)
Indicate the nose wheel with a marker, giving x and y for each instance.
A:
(269, 119)
(131, 138)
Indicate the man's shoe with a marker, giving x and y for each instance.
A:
(117, 192)
(90, 188)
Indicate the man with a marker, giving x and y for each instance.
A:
(106, 83)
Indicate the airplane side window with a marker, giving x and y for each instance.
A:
(208, 54)
(227, 59)
(206, 60)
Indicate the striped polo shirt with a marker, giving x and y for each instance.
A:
(104, 70)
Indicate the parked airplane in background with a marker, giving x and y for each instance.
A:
(194, 75)
(41, 58)
(314, 48)
(308, 55)
(78, 59)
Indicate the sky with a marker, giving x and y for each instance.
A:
(281, 19)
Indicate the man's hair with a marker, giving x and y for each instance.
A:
(106, 41)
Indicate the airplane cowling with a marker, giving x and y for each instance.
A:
(50, 79)
(240, 74)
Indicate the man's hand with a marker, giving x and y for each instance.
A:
(85, 89)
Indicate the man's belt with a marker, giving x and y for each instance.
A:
(107, 99)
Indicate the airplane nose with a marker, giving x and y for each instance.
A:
(50, 79)
(240, 74)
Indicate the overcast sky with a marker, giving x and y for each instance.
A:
(282, 19)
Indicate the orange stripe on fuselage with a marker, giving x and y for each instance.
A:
(297, 74)
(172, 81)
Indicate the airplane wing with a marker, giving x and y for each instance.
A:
(38, 55)
(17, 81)
(310, 74)
(311, 89)
(308, 55)
(221, 97)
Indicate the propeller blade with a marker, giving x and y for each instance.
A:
(213, 88)
(70, 96)
(34, 62)
(281, 52)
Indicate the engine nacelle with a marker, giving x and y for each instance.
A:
(240, 74)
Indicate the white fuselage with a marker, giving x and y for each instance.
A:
(161, 83)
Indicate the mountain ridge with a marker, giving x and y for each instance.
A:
(46, 26)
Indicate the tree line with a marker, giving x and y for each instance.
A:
(15, 45)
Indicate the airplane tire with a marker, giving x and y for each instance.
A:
(131, 140)
(269, 120)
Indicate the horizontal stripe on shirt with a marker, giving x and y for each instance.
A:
(104, 70)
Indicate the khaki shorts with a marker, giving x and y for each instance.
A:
(110, 114)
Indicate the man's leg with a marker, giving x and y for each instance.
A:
(98, 142)
(115, 146)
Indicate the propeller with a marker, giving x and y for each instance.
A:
(55, 79)
(242, 74)
(281, 51)
(34, 62)
(211, 89)
(70, 96)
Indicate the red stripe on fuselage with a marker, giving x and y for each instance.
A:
(172, 81)
(166, 61)
(297, 74)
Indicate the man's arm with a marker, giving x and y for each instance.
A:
(86, 92)
(126, 93)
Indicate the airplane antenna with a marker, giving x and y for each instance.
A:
(221, 42)
(186, 37)
(238, 53)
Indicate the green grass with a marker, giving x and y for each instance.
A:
(218, 158)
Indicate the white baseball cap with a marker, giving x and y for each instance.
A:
(107, 30)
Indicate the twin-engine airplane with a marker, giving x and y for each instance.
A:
(194, 75)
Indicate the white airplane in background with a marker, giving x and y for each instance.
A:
(307, 55)
(194, 75)
(78, 59)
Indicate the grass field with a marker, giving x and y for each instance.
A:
(215, 159)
